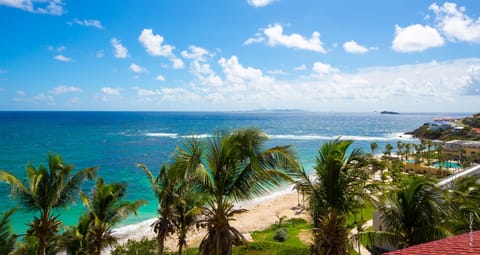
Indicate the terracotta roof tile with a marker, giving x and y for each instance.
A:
(454, 245)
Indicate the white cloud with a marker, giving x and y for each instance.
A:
(137, 69)
(52, 7)
(62, 89)
(87, 23)
(257, 39)
(62, 58)
(237, 73)
(20, 93)
(254, 40)
(110, 91)
(276, 37)
(153, 44)
(204, 74)
(300, 68)
(177, 63)
(455, 24)
(354, 47)
(260, 3)
(321, 68)
(160, 78)
(416, 38)
(196, 53)
(43, 97)
(145, 92)
(120, 50)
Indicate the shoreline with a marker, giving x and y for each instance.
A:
(262, 212)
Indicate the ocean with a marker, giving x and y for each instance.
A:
(116, 141)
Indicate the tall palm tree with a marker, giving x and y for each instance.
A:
(44, 191)
(164, 187)
(388, 149)
(339, 188)
(106, 208)
(233, 166)
(373, 147)
(407, 150)
(400, 147)
(411, 213)
(7, 238)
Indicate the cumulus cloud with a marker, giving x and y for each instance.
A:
(321, 68)
(52, 7)
(300, 68)
(455, 24)
(177, 63)
(196, 53)
(416, 38)
(87, 23)
(354, 47)
(236, 73)
(275, 36)
(62, 89)
(110, 91)
(257, 39)
(260, 3)
(137, 69)
(119, 50)
(62, 58)
(204, 74)
(141, 92)
(160, 78)
(153, 44)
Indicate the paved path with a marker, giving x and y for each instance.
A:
(361, 250)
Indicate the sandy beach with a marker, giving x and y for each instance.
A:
(262, 212)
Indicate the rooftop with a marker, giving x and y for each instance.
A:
(457, 245)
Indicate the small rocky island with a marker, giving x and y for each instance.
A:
(389, 112)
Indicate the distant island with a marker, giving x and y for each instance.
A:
(447, 129)
(388, 112)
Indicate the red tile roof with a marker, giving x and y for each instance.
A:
(455, 245)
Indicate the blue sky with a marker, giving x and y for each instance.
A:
(402, 55)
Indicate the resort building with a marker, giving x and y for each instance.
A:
(460, 149)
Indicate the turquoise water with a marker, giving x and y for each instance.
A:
(115, 141)
(448, 165)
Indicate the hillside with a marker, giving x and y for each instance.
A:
(467, 128)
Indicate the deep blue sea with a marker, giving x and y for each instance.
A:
(116, 141)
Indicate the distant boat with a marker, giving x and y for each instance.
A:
(388, 112)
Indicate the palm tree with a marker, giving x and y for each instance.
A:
(429, 145)
(7, 238)
(106, 208)
(407, 150)
(338, 189)
(410, 213)
(464, 197)
(400, 147)
(388, 149)
(232, 166)
(164, 187)
(44, 191)
(373, 147)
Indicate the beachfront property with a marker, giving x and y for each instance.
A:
(461, 149)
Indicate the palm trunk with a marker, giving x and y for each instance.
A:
(42, 237)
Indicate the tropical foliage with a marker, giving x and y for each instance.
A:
(44, 191)
(339, 188)
(411, 212)
(106, 208)
(7, 238)
(233, 166)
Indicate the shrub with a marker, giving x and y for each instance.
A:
(132, 247)
(281, 235)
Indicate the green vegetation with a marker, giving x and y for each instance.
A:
(203, 180)
(47, 190)
(339, 190)
(424, 131)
